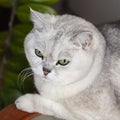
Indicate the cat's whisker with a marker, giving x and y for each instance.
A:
(24, 71)
(23, 75)
(22, 85)
(26, 74)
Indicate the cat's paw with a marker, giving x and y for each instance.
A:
(25, 103)
(34, 103)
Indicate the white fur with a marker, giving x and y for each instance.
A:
(81, 90)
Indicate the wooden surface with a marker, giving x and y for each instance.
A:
(12, 113)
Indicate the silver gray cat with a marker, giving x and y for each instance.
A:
(76, 69)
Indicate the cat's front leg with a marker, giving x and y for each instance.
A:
(33, 103)
(36, 103)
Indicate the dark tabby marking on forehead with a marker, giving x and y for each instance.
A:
(58, 35)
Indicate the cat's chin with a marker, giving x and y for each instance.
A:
(54, 81)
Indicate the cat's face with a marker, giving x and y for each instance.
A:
(58, 50)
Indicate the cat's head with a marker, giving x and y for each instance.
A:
(61, 49)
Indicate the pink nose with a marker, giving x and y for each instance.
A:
(46, 71)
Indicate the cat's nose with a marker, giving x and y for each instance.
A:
(46, 71)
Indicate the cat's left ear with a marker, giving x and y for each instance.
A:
(40, 20)
(83, 39)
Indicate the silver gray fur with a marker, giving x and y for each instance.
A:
(93, 96)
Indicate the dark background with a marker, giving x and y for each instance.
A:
(96, 11)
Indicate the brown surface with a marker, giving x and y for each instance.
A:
(12, 113)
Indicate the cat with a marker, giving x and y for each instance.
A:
(76, 69)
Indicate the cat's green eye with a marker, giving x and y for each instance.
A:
(63, 62)
(38, 53)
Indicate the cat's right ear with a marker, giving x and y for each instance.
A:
(83, 39)
(40, 20)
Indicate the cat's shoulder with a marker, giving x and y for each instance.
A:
(111, 33)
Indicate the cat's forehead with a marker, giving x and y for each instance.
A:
(53, 35)
(54, 43)
(57, 43)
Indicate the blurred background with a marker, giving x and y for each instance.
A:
(96, 11)
(15, 24)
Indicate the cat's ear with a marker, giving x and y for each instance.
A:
(83, 39)
(40, 20)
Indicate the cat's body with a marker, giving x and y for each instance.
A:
(76, 72)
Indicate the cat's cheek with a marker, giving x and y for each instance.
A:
(38, 71)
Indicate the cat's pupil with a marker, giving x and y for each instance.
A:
(63, 62)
